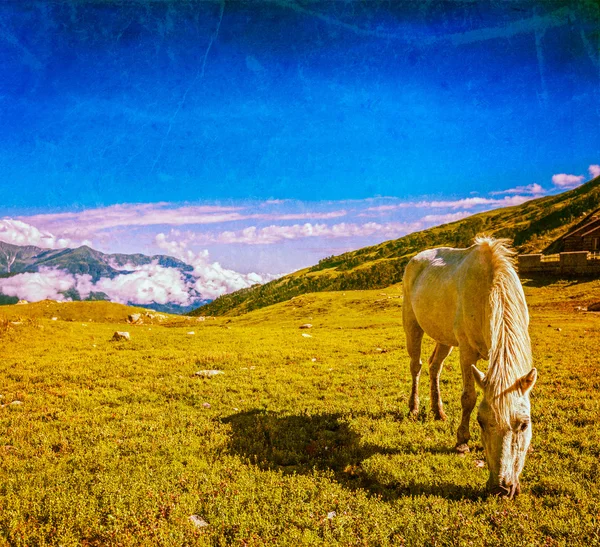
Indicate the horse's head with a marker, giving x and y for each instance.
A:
(505, 431)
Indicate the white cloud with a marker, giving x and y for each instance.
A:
(17, 232)
(83, 285)
(128, 266)
(533, 189)
(300, 216)
(146, 284)
(177, 249)
(464, 203)
(149, 283)
(562, 180)
(35, 286)
(91, 223)
(211, 279)
(268, 235)
(594, 170)
(443, 219)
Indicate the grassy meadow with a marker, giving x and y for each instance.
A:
(302, 441)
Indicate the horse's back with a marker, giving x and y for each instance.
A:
(447, 291)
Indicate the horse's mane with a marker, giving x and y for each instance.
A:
(510, 350)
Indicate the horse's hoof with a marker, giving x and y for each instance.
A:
(440, 416)
(462, 448)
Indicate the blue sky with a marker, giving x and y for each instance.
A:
(316, 126)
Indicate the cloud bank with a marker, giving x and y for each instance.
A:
(464, 203)
(42, 285)
(269, 235)
(211, 279)
(17, 232)
(149, 284)
(92, 222)
(252, 235)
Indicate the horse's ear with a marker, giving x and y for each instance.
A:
(478, 375)
(525, 383)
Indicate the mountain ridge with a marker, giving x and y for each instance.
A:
(83, 260)
(15, 259)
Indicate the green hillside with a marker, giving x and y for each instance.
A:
(532, 226)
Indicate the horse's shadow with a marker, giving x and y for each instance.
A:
(325, 442)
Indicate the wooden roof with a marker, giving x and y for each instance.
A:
(593, 230)
(585, 229)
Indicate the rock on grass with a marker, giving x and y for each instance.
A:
(198, 522)
(208, 373)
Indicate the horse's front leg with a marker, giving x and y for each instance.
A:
(468, 398)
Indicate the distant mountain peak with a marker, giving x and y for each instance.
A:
(84, 260)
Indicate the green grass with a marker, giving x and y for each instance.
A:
(113, 444)
(101, 311)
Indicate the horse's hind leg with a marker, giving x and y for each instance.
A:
(436, 362)
(414, 337)
(468, 399)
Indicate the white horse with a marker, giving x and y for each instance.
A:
(472, 298)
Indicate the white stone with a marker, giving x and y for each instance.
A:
(197, 521)
(208, 373)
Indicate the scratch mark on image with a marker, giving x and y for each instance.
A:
(199, 74)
